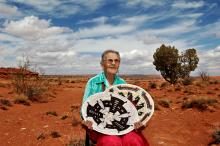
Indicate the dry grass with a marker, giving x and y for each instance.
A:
(41, 136)
(21, 99)
(152, 85)
(76, 142)
(5, 102)
(164, 85)
(200, 103)
(164, 102)
(204, 76)
(32, 86)
(53, 113)
(55, 134)
(187, 81)
(2, 85)
(215, 138)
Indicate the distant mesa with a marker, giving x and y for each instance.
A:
(8, 73)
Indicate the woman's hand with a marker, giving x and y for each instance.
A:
(139, 125)
(87, 124)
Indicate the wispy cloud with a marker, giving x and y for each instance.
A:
(98, 20)
(144, 3)
(188, 5)
(57, 8)
(104, 30)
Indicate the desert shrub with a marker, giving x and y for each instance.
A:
(55, 134)
(213, 82)
(26, 84)
(21, 99)
(75, 122)
(41, 136)
(2, 85)
(187, 81)
(5, 102)
(75, 107)
(152, 85)
(199, 84)
(72, 82)
(200, 103)
(59, 81)
(164, 102)
(3, 107)
(76, 142)
(204, 76)
(53, 113)
(64, 117)
(170, 90)
(185, 91)
(178, 88)
(216, 82)
(210, 92)
(164, 84)
(156, 105)
(215, 137)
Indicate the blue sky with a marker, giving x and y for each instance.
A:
(68, 36)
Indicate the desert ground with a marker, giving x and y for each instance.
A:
(185, 115)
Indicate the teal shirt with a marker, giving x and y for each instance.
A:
(94, 85)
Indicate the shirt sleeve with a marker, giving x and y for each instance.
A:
(87, 93)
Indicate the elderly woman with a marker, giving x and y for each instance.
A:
(110, 63)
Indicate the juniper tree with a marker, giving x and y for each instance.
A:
(173, 66)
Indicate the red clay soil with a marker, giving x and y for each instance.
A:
(22, 125)
(9, 72)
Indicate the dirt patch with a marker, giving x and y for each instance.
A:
(170, 125)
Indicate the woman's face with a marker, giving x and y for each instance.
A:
(111, 63)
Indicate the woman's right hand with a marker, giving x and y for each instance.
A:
(87, 124)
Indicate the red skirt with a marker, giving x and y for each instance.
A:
(130, 139)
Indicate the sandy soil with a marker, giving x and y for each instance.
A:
(22, 125)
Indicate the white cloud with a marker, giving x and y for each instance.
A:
(210, 61)
(137, 20)
(32, 28)
(48, 46)
(99, 20)
(191, 15)
(188, 5)
(7, 11)
(210, 30)
(144, 3)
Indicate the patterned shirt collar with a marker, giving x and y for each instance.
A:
(102, 79)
